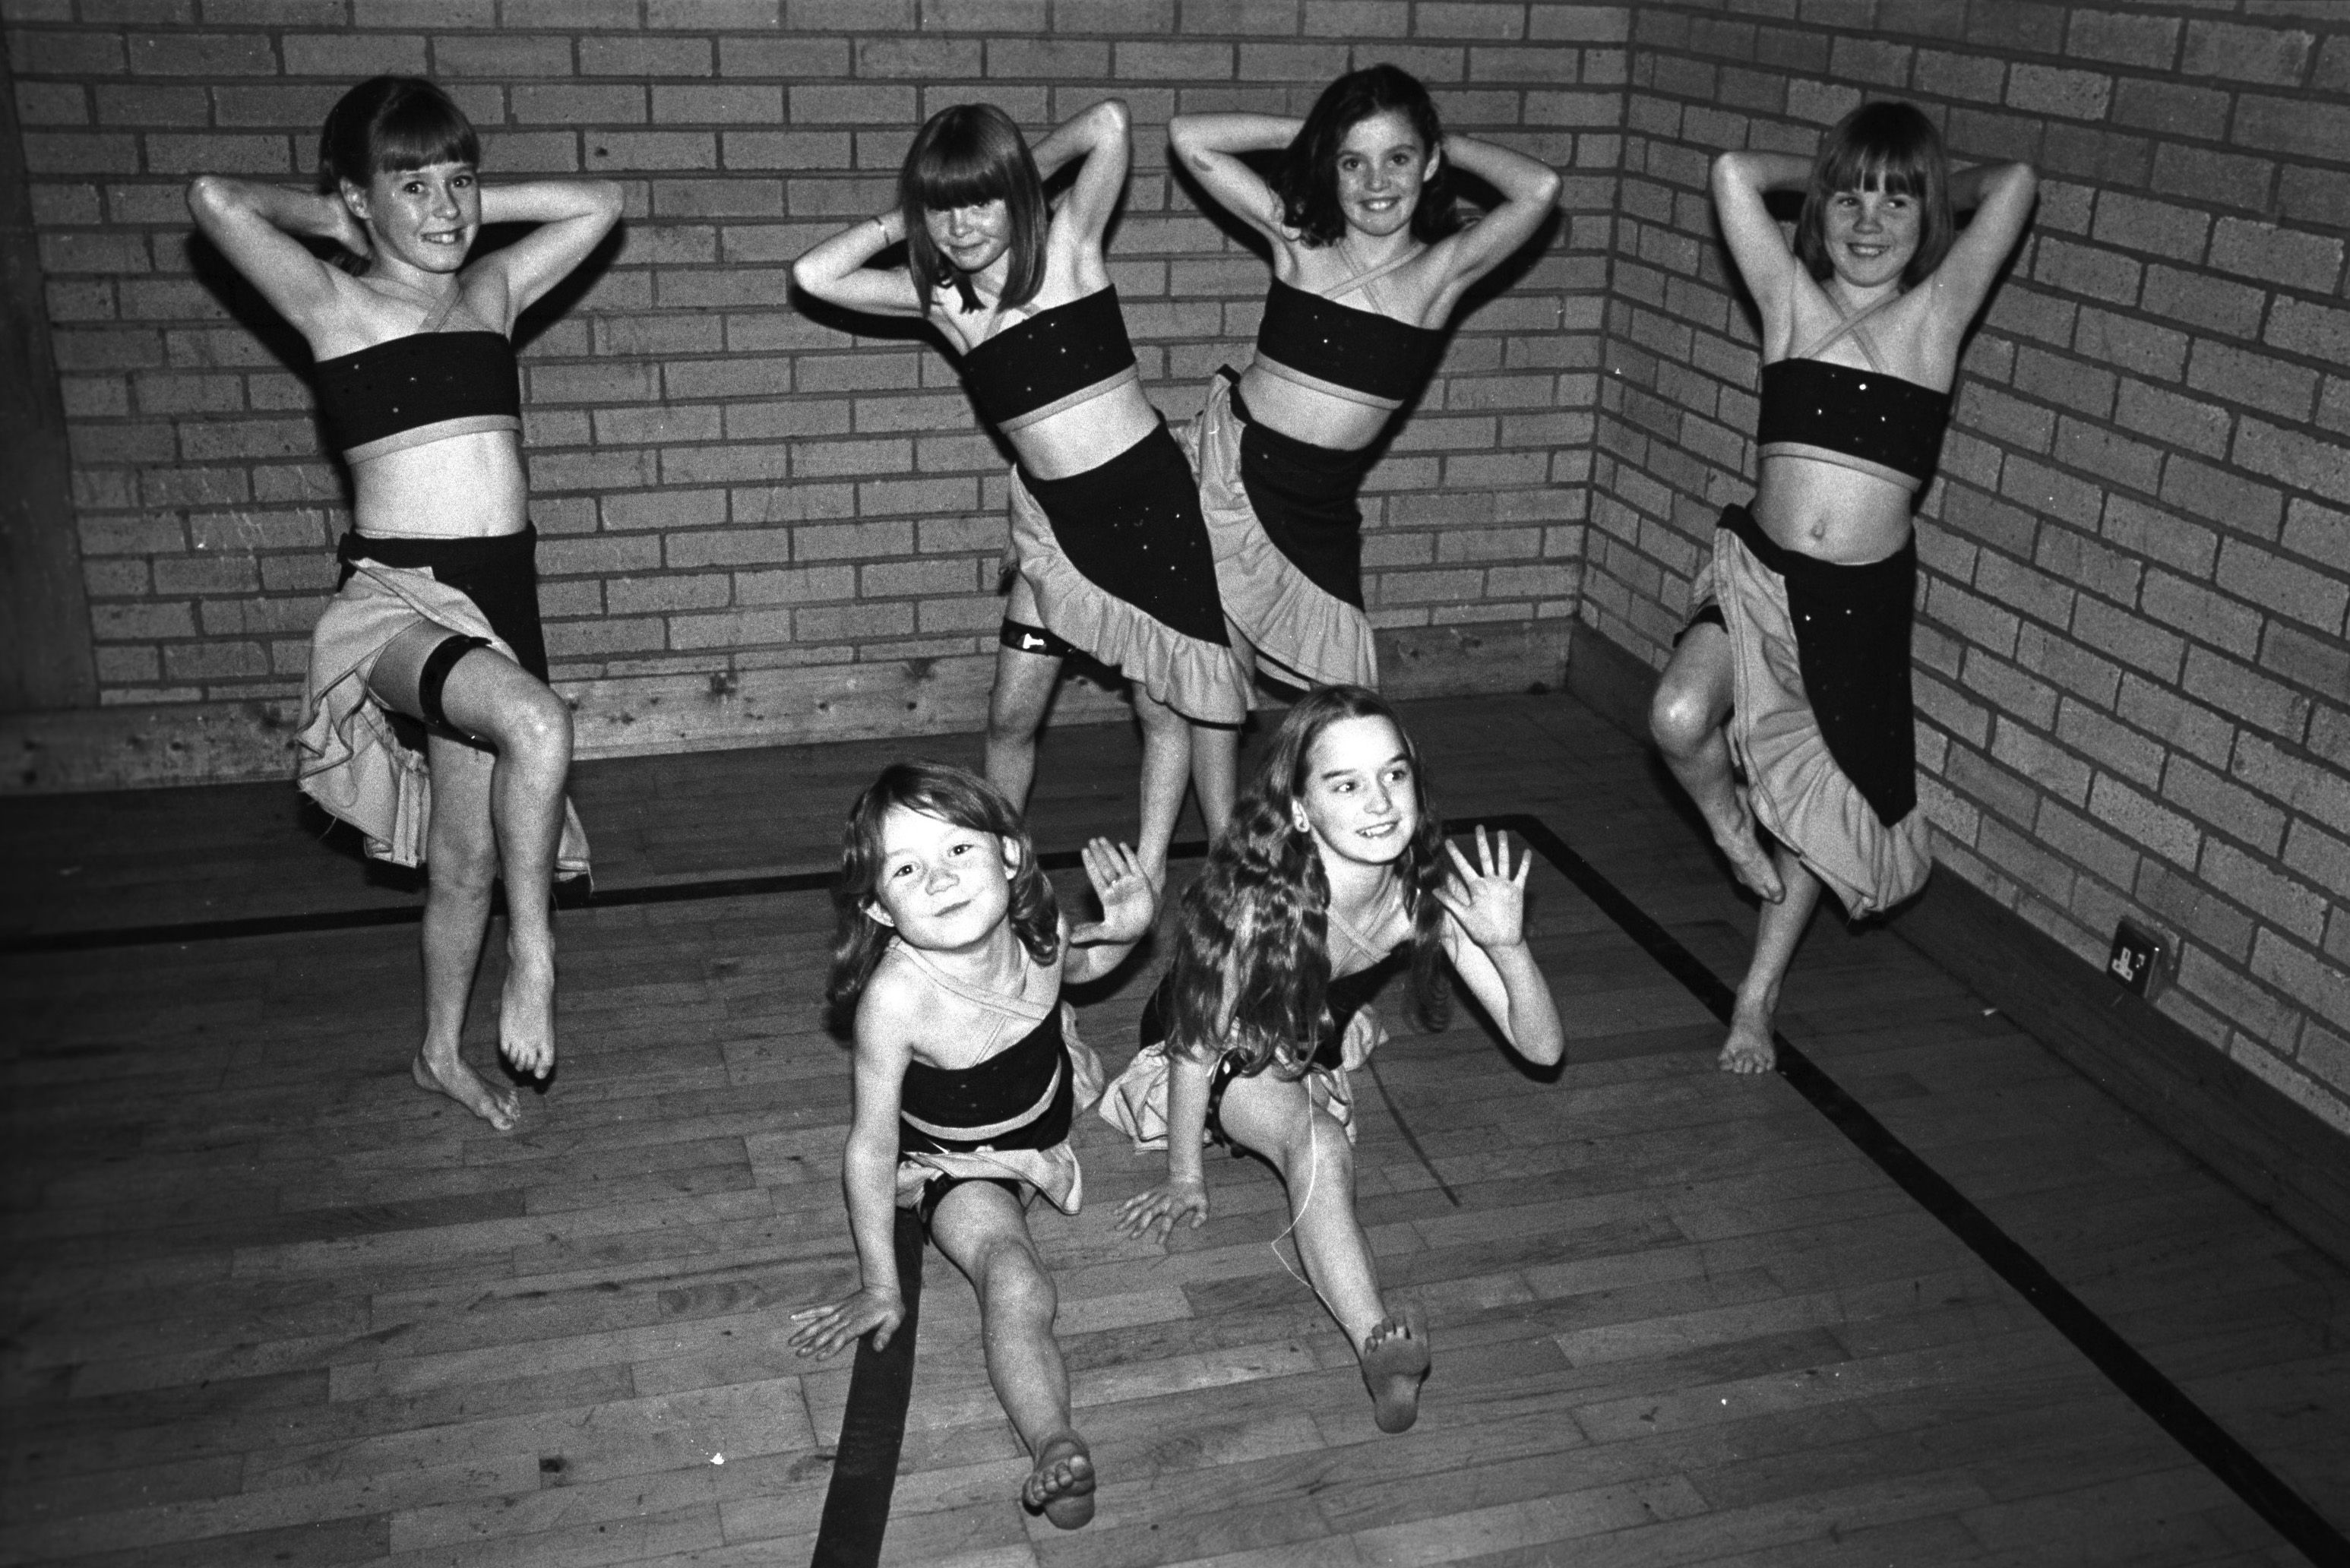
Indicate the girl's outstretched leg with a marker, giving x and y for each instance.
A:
(1776, 936)
(1277, 1118)
(1687, 717)
(983, 1231)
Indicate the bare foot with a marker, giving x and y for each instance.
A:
(527, 1014)
(1394, 1364)
(1747, 858)
(1749, 1047)
(1061, 1487)
(500, 1106)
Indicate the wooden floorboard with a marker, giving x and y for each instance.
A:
(267, 1303)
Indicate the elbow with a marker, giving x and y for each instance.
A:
(1545, 189)
(1110, 116)
(611, 201)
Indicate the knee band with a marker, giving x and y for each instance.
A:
(1022, 637)
(435, 675)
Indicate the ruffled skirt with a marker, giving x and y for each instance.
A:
(1135, 1102)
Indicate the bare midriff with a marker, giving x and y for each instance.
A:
(1077, 439)
(1831, 513)
(1326, 418)
(468, 486)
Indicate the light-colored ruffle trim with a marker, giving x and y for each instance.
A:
(347, 757)
(1799, 792)
(1136, 1104)
(1203, 681)
(1054, 1172)
(1311, 637)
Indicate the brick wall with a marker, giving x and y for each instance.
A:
(731, 493)
(2133, 678)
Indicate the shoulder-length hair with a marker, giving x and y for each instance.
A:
(1251, 972)
(1890, 146)
(392, 123)
(965, 155)
(1306, 179)
(952, 795)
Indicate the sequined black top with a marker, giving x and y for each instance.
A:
(1048, 359)
(1832, 412)
(1026, 1085)
(397, 394)
(1382, 359)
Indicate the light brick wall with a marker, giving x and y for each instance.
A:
(727, 485)
(2132, 672)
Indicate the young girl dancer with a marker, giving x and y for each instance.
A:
(1330, 865)
(432, 643)
(952, 952)
(1366, 270)
(1796, 662)
(1114, 560)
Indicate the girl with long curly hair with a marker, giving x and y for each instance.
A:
(1334, 861)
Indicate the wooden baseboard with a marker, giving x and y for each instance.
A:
(223, 742)
(2270, 1148)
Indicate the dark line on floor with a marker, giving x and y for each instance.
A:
(2146, 1386)
(873, 1425)
(412, 912)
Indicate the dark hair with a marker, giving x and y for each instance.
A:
(1260, 911)
(952, 795)
(393, 123)
(1306, 180)
(966, 154)
(1893, 147)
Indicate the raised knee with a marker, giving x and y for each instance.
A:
(1018, 1282)
(1679, 719)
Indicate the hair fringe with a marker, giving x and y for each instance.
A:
(392, 123)
(1892, 145)
(967, 154)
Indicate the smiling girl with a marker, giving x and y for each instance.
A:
(951, 952)
(1368, 264)
(1795, 666)
(1334, 861)
(428, 722)
(1114, 560)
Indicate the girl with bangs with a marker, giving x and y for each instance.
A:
(1794, 671)
(950, 956)
(1368, 264)
(429, 723)
(1332, 864)
(1113, 559)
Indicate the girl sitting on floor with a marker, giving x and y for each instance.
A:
(951, 951)
(1330, 865)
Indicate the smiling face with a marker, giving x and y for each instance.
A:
(1359, 799)
(1381, 165)
(1871, 235)
(943, 888)
(973, 238)
(425, 217)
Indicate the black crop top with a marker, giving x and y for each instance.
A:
(1052, 360)
(426, 387)
(1023, 1083)
(1372, 358)
(1864, 420)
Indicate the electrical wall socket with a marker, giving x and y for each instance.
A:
(2142, 958)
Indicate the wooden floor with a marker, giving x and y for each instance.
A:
(266, 1302)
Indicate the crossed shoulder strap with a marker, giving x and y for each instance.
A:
(1369, 276)
(1850, 324)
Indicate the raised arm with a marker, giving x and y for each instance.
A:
(2000, 197)
(868, 1176)
(1485, 938)
(1757, 243)
(835, 270)
(259, 228)
(1100, 136)
(1529, 193)
(1129, 909)
(572, 217)
(1209, 144)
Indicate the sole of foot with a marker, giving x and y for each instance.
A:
(500, 1107)
(1394, 1364)
(1061, 1487)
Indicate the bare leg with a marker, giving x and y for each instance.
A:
(1016, 708)
(983, 1231)
(1215, 774)
(1687, 717)
(1276, 1117)
(528, 728)
(1166, 744)
(462, 856)
(1776, 937)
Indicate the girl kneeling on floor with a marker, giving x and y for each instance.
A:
(952, 951)
(1332, 863)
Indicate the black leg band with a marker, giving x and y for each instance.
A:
(435, 675)
(1022, 637)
